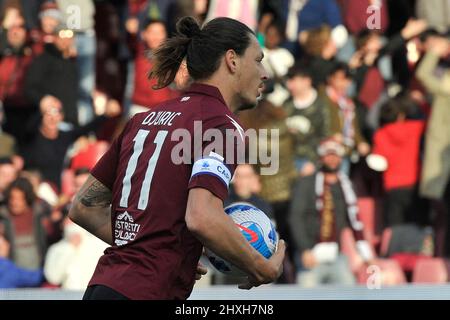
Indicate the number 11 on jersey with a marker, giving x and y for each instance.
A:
(139, 141)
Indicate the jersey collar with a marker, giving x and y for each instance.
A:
(207, 90)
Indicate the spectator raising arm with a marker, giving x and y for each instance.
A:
(437, 48)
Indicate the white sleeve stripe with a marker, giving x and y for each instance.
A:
(214, 167)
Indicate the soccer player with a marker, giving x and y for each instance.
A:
(157, 213)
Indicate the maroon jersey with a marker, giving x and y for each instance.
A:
(154, 255)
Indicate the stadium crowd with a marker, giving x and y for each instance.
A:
(359, 93)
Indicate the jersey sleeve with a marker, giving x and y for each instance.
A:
(214, 170)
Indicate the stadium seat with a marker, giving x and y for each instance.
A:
(389, 270)
(430, 271)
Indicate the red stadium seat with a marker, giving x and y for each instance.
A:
(389, 271)
(430, 271)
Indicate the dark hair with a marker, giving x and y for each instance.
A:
(400, 104)
(202, 48)
(278, 27)
(389, 112)
(363, 37)
(149, 22)
(340, 66)
(431, 32)
(299, 69)
(24, 185)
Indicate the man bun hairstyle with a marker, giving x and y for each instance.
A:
(201, 47)
(188, 27)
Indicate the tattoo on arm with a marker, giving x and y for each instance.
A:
(94, 194)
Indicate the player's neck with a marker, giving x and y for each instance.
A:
(226, 91)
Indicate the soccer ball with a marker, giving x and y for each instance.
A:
(256, 227)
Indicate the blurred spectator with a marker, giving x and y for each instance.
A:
(11, 276)
(277, 61)
(323, 204)
(8, 146)
(398, 140)
(275, 188)
(11, 13)
(321, 50)
(144, 96)
(8, 173)
(246, 11)
(71, 262)
(15, 61)
(48, 145)
(86, 47)
(50, 17)
(182, 8)
(245, 188)
(53, 77)
(400, 12)
(42, 189)
(308, 118)
(435, 12)
(140, 11)
(436, 167)
(29, 10)
(373, 71)
(343, 117)
(304, 15)
(22, 220)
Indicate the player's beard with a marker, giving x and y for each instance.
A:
(246, 105)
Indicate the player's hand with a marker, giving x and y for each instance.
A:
(272, 271)
(201, 271)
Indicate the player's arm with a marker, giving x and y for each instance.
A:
(91, 209)
(207, 220)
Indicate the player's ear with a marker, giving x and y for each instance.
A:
(231, 60)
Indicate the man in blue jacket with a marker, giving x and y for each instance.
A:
(12, 276)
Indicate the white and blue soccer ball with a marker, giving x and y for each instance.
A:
(256, 227)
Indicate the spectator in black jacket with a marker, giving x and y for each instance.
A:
(47, 145)
(54, 74)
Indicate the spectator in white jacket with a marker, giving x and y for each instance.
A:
(71, 262)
